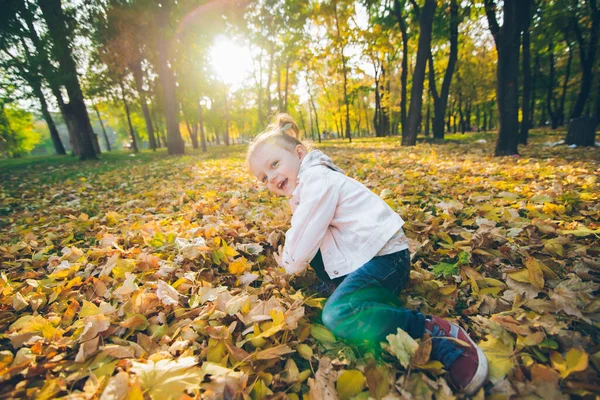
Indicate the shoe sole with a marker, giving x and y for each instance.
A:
(482, 368)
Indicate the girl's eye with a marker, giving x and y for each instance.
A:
(274, 164)
(264, 179)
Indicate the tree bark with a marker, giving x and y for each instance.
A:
(507, 40)
(526, 66)
(56, 142)
(175, 144)
(226, 135)
(563, 96)
(131, 132)
(404, 73)
(312, 103)
(586, 56)
(582, 131)
(287, 84)
(440, 102)
(103, 129)
(534, 80)
(344, 74)
(57, 28)
(48, 73)
(201, 123)
(136, 69)
(409, 138)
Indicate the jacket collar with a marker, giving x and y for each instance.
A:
(315, 158)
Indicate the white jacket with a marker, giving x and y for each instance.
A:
(339, 215)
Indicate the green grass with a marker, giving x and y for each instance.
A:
(53, 169)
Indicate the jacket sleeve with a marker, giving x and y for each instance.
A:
(318, 202)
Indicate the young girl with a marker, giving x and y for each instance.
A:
(352, 237)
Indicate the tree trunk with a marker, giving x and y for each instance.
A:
(287, 84)
(56, 142)
(131, 132)
(302, 122)
(404, 74)
(344, 75)
(586, 56)
(526, 66)
(270, 77)
(312, 104)
(556, 112)
(226, 135)
(485, 117)
(409, 138)
(58, 30)
(507, 40)
(440, 102)
(427, 119)
(175, 144)
(103, 129)
(48, 73)
(136, 69)
(566, 81)
(279, 97)
(582, 131)
(598, 103)
(534, 80)
(377, 120)
(201, 123)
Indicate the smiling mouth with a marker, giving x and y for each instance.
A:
(283, 184)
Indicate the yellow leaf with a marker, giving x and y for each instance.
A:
(322, 334)
(577, 361)
(260, 390)
(499, 355)
(239, 266)
(558, 362)
(536, 275)
(277, 316)
(494, 282)
(447, 290)
(350, 383)
(113, 218)
(520, 276)
(6, 358)
(305, 351)
(168, 379)
(531, 340)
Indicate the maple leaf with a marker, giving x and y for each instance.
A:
(168, 379)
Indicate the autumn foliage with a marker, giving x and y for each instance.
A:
(153, 278)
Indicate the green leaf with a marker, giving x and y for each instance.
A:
(445, 269)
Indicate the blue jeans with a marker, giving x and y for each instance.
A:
(365, 305)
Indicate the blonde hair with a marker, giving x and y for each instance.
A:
(283, 131)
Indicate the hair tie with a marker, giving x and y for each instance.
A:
(285, 127)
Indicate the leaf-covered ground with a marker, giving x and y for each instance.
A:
(152, 277)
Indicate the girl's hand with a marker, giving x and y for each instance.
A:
(278, 256)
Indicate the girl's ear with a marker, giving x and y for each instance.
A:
(301, 151)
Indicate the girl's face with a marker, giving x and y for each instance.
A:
(277, 167)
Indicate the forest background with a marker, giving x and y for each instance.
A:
(142, 74)
(148, 273)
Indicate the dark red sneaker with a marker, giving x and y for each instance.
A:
(464, 360)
